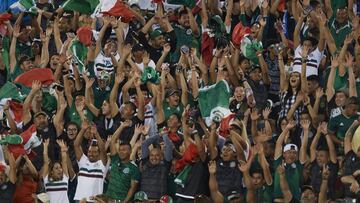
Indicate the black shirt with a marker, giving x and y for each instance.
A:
(106, 127)
(155, 54)
(352, 164)
(316, 177)
(7, 192)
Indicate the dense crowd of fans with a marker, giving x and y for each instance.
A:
(107, 106)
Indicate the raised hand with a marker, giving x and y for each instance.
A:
(254, 114)
(16, 31)
(126, 124)
(212, 167)
(305, 124)
(262, 22)
(244, 166)
(138, 129)
(62, 145)
(334, 61)
(119, 77)
(266, 112)
(85, 125)
(281, 168)
(46, 143)
(319, 93)
(325, 172)
(167, 48)
(323, 128)
(291, 125)
(36, 85)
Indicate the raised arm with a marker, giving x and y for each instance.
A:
(57, 37)
(304, 56)
(352, 81)
(324, 185)
(283, 78)
(35, 88)
(119, 78)
(116, 135)
(106, 23)
(101, 144)
(281, 138)
(314, 143)
(285, 189)
(31, 167)
(79, 138)
(216, 195)
(297, 31)
(330, 90)
(193, 24)
(305, 124)
(64, 156)
(88, 100)
(264, 165)
(141, 100)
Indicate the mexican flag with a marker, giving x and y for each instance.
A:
(81, 6)
(79, 52)
(214, 100)
(24, 5)
(44, 75)
(114, 8)
(9, 90)
(29, 140)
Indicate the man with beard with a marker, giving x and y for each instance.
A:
(186, 29)
(92, 170)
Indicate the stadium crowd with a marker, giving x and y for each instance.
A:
(180, 101)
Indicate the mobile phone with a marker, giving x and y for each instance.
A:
(184, 49)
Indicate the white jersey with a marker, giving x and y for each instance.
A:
(57, 190)
(312, 64)
(141, 65)
(90, 178)
(103, 63)
(149, 120)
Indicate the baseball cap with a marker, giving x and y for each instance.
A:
(230, 145)
(253, 68)
(156, 33)
(140, 196)
(137, 47)
(290, 147)
(171, 91)
(166, 199)
(40, 113)
(233, 195)
(24, 58)
(352, 100)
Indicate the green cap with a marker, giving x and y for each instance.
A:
(140, 196)
(156, 33)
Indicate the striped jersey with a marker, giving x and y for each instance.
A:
(103, 63)
(91, 175)
(312, 64)
(57, 190)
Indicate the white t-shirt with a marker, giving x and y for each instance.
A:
(312, 64)
(57, 190)
(151, 64)
(90, 178)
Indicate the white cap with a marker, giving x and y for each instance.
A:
(290, 147)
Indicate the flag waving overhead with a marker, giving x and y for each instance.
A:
(9, 90)
(81, 6)
(119, 9)
(24, 5)
(214, 100)
(79, 52)
(44, 75)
